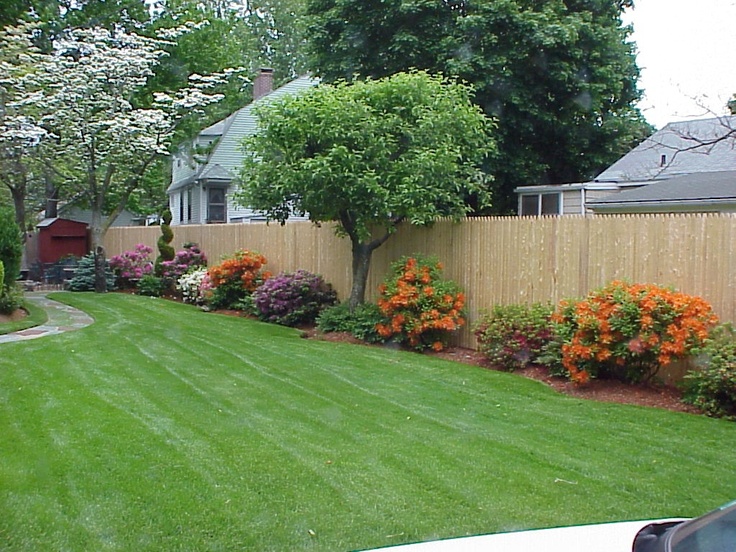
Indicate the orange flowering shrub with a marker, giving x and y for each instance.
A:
(421, 308)
(628, 331)
(235, 278)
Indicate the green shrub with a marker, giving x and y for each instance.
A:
(712, 387)
(11, 298)
(361, 322)
(151, 285)
(514, 336)
(84, 275)
(11, 245)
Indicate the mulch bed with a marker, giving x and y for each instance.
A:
(18, 314)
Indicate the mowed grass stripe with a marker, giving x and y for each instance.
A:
(162, 427)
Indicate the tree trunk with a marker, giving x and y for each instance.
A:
(361, 265)
(97, 235)
(19, 203)
(52, 196)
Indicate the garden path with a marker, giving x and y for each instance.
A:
(61, 318)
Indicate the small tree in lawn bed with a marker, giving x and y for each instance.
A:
(368, 156)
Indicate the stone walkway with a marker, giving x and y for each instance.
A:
(61, 318)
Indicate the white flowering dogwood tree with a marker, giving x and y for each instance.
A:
(81, 101)
(20, 137)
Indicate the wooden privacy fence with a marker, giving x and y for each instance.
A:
(500, 260)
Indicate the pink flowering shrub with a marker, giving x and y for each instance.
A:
(186, 260)
(131, 266)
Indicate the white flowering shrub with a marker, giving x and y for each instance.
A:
(193, 286)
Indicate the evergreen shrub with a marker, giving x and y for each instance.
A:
(84, 275)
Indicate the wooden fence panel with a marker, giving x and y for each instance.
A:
(500, 260)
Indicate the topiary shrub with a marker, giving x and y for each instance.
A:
(235, 279)
(165, 251)
(84, 275)
(712, 387)
(422, 309)
(514, 336)
(11, 246)
(292, 298)
(628, 331)
(361, 322)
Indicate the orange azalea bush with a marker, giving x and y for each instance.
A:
(628, 331)
(421, 309)
(235, 278)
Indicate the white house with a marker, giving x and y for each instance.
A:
(688, 166)
(204, 172)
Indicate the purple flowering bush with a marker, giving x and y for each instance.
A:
(293, 298)
(514, 336)
(186, 260)
(131, 266)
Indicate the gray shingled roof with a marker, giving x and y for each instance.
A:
(678, 149)
(700, 191)
(225, 159)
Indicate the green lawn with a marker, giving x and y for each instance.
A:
(161, 427)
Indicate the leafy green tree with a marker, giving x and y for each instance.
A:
(11, 246)
(559, 76)
(368, 156)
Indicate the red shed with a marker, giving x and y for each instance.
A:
(60, 237)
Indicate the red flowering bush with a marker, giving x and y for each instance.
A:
(628, 331)
(514, 336)
(421, 308)
(235, 278)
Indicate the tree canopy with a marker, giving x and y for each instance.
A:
(368, 156)
(559, 76)
(75, 103)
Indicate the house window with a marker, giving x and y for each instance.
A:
(540, 204)
(189, 204)
(181, 206)
(216, 207)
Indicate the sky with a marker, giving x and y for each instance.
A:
(687, 56)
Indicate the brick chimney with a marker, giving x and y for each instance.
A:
(263, 83)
